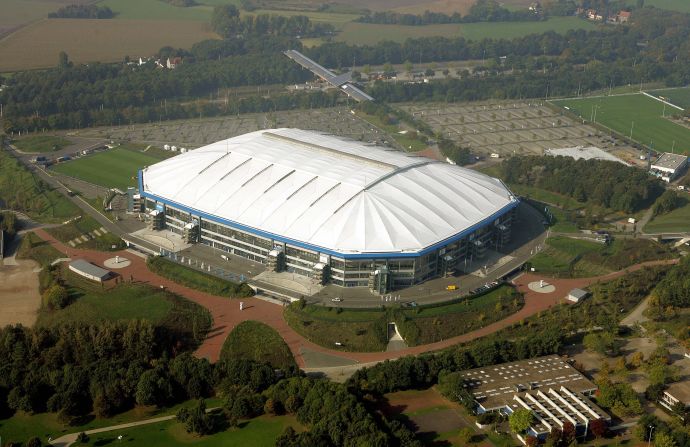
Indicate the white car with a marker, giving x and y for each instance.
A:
(336, 300)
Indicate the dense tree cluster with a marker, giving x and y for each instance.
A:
(82, 12)
(674, 289)
(604, 183)
(227, 22)
(666, 203)
(8, 225)
(181, 3)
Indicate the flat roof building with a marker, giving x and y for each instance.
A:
(677, 392)
(577, 295)
(553, 390)
(321, 199)
(669, 166)
(88, 270)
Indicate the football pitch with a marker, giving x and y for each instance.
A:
(637, 116)
(116, 168)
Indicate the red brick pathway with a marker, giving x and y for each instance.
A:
(226, 313)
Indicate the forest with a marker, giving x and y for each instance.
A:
(605, 183)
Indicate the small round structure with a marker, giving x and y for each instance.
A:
(117, 262)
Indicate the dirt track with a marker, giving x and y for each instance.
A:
(19, 297)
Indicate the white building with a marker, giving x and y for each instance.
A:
(360, 209)
(669, 166)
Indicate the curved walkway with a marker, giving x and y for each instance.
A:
(226, 313)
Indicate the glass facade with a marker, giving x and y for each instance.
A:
(402, 271)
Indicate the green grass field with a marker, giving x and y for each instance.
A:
(115, 168)
(620, 112)
(157, 10)
(366, 33)
(261, 431)
(40, 143)
(679, 96)
(33, 247)
(81, 227)
(20, 190)
(673, 5)
(256, 341)
(567, 257)
(676, 221)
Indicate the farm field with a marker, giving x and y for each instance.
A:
(505, 127)
(679, 96)
(261, 431)
(673, 5)
(365, 33)
(16, 13)
(676, 221)
(115, 168)
(38, 45)
(156, 10)
(620, 112)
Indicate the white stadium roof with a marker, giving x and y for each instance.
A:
(325, 192)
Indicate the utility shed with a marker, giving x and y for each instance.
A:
(88, 270)
(577, 295)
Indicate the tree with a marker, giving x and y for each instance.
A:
(465, 435)
(602, 342)
(196, 419)
(520, 420)
(63, 61)
(56, 297)
(663, 439)
(569, 435)
(34, 442)
(598, 428)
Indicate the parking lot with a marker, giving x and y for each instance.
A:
(509, 127)
(199, 132)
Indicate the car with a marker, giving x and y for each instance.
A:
(223, 257)
(336, 299)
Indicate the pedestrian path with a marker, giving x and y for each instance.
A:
(226, 313)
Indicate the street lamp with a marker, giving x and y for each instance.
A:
(651, 430)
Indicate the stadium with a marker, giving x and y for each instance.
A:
(336, 210)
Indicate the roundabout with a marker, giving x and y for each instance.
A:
(541, 286)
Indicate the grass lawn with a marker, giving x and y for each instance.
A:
(620, 112)
(542, 195)
(366, 330)
(568, 257)
(22, 191)
(22, 426)
(115, 168)
(679, 96)
(256, 341)
(261, 431)
(40, 143)
(404, 140)
(676, 221)
(82, 227)
(33, 247)
(197, 280)
(367, 34)
(186, 319)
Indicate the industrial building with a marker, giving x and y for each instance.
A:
(336, 210)
(549, 387)
(669, 166)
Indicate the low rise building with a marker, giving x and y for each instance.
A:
(552, 389)
(678, 392)
(577, 295)
(669, 166)
(89, 271)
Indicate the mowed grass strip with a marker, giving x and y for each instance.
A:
(40, 143)
(256, 341)
(115, 168)
(620, 112)
(89, 40)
